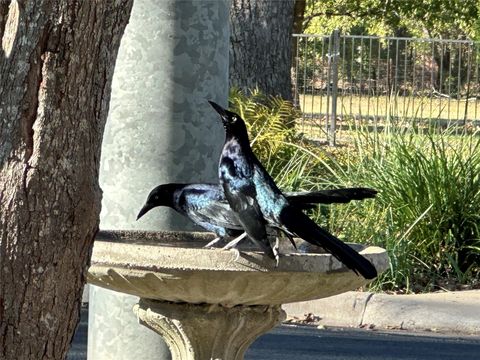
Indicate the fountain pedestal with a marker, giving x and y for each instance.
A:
(207, 331)
(212, 303)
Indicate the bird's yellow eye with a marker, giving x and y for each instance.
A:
(234, 118)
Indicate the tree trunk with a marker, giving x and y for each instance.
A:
(56, 66)
(298, 17)
(260, 45)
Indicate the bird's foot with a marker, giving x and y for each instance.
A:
(235, 241)
(213, 242)
(237, 254)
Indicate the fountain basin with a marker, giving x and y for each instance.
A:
(174, 267)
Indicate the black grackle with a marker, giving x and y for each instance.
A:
(206, 206)
(258, 203)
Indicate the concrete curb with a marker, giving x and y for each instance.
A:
(446, 312)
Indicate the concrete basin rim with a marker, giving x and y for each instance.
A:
(158, 258)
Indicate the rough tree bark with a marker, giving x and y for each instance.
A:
(260, 45)
(56, 67)
(299, 16)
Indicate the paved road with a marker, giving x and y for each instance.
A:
(341, 344)
(305, 343)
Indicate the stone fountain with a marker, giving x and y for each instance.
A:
(213, 303)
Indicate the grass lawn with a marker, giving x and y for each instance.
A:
(401, 107)
(378, 108)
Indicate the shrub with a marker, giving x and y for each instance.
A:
(427, 213)
(270, 122)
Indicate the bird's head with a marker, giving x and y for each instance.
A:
(162, 195)
(232, 122)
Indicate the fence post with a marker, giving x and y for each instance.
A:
(335, 38)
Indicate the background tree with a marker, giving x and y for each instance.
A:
(262, 49)
(261, 45)
(56, 67)
(420, 18)
(455, 19)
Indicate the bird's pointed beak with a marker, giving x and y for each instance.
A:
(146, 208)
(221, 111)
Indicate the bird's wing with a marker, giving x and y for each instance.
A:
(218, 213)
(236, 176)
(238, 185)
(198, 202)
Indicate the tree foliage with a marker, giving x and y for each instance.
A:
(431, 18)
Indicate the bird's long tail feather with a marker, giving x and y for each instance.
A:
(300, 224)
(306, 200)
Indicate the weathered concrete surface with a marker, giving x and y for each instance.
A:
(172, 59)
(447, 312)
(174, 266)
(206, 331)
(112, 336)
(346, 309)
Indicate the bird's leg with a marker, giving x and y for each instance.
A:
(274, 244)
(235, 241)
(213, 242)
(266, 248)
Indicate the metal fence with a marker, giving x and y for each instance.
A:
(345, 78)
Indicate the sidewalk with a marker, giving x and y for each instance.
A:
(446, 312)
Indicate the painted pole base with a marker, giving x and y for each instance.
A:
(206, 331)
